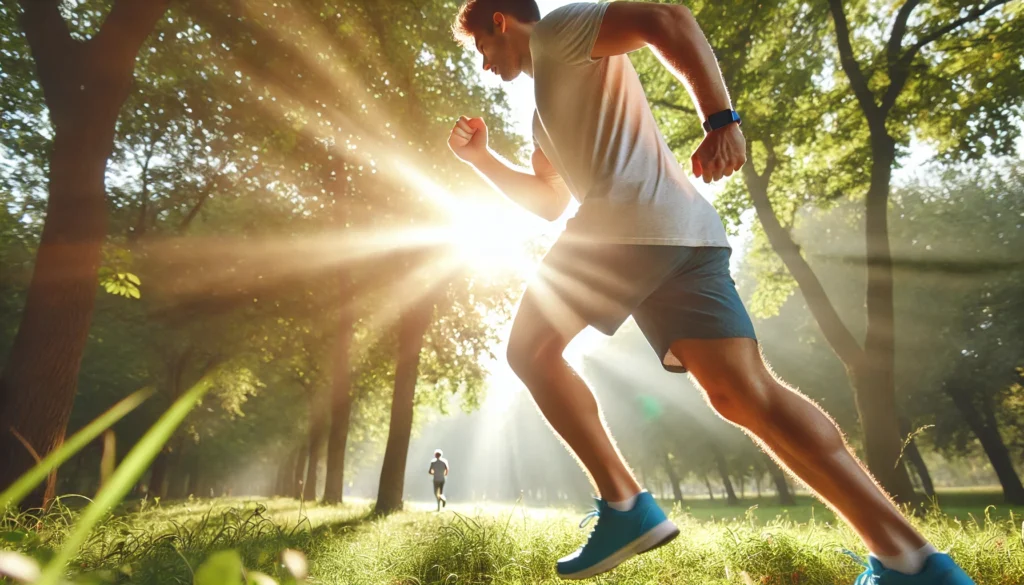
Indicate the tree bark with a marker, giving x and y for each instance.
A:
(317, 430)
(913, 457)
(673, 478)
(711, 492)
(870, 369)
(981, 419)
(84, 85)
(874, 378)
(158, 475)
(723, 470)
(412, 327)
(298, 472)
(781, 485)
(341, 402)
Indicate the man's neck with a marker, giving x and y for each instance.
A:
(524, 47)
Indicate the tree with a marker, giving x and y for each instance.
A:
(84, 83)
(955, 239)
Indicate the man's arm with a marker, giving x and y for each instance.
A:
(541, 192)
(675, 37)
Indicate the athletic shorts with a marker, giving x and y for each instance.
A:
(673, 292)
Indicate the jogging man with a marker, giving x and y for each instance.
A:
(645, 243)
(439, 469)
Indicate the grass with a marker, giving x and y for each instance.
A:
(497, 544)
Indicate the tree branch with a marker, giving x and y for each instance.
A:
(52, 49)
(899, 30)
(831, 324)
(124, 30)
(951, 26)
(899, 70)
(672, 106)
(849, 62)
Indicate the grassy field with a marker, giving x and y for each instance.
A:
(468, 544)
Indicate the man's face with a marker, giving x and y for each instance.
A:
(499, 56)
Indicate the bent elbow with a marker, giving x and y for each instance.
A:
(668, 22)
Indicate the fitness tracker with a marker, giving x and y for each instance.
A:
(721, 120)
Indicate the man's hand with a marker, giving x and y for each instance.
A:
(720, 154)
(468, 139)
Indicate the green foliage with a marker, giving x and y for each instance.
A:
(512, 545)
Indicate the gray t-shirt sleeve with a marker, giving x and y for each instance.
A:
(568, 34)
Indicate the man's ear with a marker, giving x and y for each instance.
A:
(500, 22)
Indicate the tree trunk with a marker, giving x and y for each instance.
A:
(299, 471)
(285, 475)
(723, 470)
(981, 419)
(781, 486)
(913, 457)
(412, 327)
(711, 492)
(317, 429)
(673, 478)
(874, 378)
(870, 369)
(341, 404)
(84, 85)
(158, 474)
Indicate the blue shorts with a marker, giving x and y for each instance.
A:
(673, 292)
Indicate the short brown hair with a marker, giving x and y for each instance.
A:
(476, 16)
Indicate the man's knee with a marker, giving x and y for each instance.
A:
(746, 402)
(527, 354)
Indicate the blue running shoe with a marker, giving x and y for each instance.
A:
(939, 569)
(617, 537)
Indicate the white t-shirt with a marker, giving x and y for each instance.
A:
(595, 126)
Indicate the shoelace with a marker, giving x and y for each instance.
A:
(586, 519)
(856, 557)
(873, 578)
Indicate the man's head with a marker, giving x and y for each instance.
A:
(437, 454)
(500, 31)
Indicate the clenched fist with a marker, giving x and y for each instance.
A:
(468, 139)
(720, 154)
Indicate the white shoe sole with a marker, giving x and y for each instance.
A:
(661, 534)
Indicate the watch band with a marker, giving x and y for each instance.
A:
(721, 119)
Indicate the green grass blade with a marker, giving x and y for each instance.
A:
(13, 495)
(131, 469)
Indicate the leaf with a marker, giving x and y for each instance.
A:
(221, 568)
(134, 293)
(134, 279)
(13, 536)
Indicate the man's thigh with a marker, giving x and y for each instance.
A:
(582, 283)
(543, 318)
(723, 363)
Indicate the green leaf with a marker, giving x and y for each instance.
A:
(134, 293)
(134, 279)
(222, 568)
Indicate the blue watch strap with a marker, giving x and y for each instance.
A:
(721, 119)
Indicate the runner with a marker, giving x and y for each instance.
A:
(439, 469)
(645, 243)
